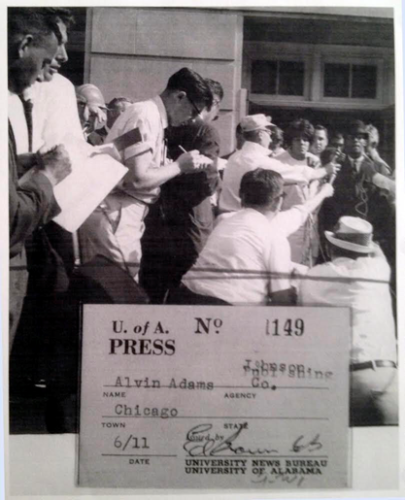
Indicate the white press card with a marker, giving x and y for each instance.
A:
(214, 397)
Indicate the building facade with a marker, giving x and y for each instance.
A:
(328, 65)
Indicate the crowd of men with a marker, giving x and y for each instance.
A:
(294, 216)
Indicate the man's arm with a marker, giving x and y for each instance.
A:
(30, 205)
(32, 202)
(144, 174)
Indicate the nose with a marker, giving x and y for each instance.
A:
(61, 55)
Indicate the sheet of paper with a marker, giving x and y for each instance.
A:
(92, 178)
(170, 399)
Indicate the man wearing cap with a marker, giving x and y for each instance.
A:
(356, 194)
(116, 227)
(358, 277)
(255, 153)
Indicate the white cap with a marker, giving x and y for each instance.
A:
(256, 122)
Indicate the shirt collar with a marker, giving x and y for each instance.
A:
(356, 160)
(252, 147)
(162, 111)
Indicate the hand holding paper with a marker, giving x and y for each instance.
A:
(92, 178)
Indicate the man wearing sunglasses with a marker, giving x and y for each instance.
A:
(357, 195)
(185, 203)
(115, 229)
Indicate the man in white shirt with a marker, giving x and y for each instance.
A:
(255, 153)
(116, 227)
(55, 113)
(358, 277)
(246, 259)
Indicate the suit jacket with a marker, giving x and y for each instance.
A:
(29, 206)
(356, 195)
(186, 198)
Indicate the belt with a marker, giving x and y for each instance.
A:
(378, 363)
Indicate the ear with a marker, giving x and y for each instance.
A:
(181, 95)
(25, 45)
(275, 205)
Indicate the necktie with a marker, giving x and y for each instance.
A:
(28, 105)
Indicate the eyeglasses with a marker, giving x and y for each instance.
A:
(196, 110)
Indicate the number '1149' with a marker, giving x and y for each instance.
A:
(290, 328)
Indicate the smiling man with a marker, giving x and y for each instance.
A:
(53, 95)
(32, 45)
(115, 229)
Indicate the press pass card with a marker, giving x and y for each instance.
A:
(214, 397)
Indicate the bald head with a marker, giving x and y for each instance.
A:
(91, 106)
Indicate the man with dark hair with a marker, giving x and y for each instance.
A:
(32, 45)
(115, 108)
(184, 208)
(357, 195)
(115, 229)
(277, 139)
(338, 142)
(320, 140)
(357, 276)
(53, 96)
(246, 259)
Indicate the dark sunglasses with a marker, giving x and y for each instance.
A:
(196, 110)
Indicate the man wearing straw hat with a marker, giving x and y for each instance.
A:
(358, 277)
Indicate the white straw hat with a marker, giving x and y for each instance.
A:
(352, 233)
(256, 122)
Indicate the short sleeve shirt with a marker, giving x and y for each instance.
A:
(150, 118)
(250, 157)
(246, 258)
(362, 285)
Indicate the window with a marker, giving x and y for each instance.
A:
(278, 77)
(356, 81)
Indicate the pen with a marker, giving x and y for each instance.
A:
(181, 147)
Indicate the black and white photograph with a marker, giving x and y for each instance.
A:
(204, 259)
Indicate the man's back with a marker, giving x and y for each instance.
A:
(248, 158)
(362, 285)
(237, 260)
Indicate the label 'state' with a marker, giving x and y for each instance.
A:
(214, 397)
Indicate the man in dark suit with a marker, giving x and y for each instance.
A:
(33, 39)
(184, 214)
(357, 195)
